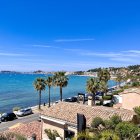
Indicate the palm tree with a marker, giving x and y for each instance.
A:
(49, 83)
(39, 85)
(60, 80)
(103, 87)
(92, 87)
(104, 75)
(119, 78)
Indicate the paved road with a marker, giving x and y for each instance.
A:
(26, 119)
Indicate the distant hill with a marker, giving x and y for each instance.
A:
(129, 68)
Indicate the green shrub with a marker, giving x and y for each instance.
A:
(84, 135)
(16, 108)
(108, 124)
(114, 120)
(51, 134)
(126, 87)
(115, 92)
(136, 84)
(107, 97)
(109, 135)
(137, 111)
(96, 122)
(127, 131)
(121, 90)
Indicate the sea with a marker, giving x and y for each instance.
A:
(17, 90)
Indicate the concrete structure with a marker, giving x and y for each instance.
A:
(130, 100)
(90, 100)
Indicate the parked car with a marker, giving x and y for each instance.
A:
(72, 99)
(108, 104)
(23, 112)
(97, 97)
(8, 117)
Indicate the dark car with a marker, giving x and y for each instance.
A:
(8, 117)
(72, 99)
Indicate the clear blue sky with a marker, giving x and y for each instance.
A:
(68, 34)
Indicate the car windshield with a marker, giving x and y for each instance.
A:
(4, 114)
(22, 110)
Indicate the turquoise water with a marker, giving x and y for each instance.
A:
(18, 90)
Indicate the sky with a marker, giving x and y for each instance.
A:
(71, 35)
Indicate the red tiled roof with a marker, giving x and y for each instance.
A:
(118, 105)
(68, 112)
(28, 129)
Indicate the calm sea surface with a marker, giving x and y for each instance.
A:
(18, 90)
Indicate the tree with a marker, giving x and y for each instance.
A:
(137, 111)
(61, 81)
(49, 83)
(127, 131)
(84, 135)
(96, 122)
(112, 123)
(39, 85)
(108, 135)
(52, 134)
(92, 87)
(103, 87)
(104, 75)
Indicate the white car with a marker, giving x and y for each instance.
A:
(23, 112)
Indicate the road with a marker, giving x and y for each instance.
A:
(26, 119)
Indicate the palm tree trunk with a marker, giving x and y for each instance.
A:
(93, 96)
(60, 93)
(39, 99)
(119, 84)
(49, 96)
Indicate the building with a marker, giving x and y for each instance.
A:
(62, 117)
(131, 98)
(27, 130)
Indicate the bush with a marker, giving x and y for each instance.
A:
(16, 108)
(136, 84)
(137, 111)
(84, 135)
(115, 92)
(51, 134)
(127, 130)
(109, 135)
(108, 124)
(121, 90)
(107, 97)
(114, 120)
(96, 122)
(126, 87)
